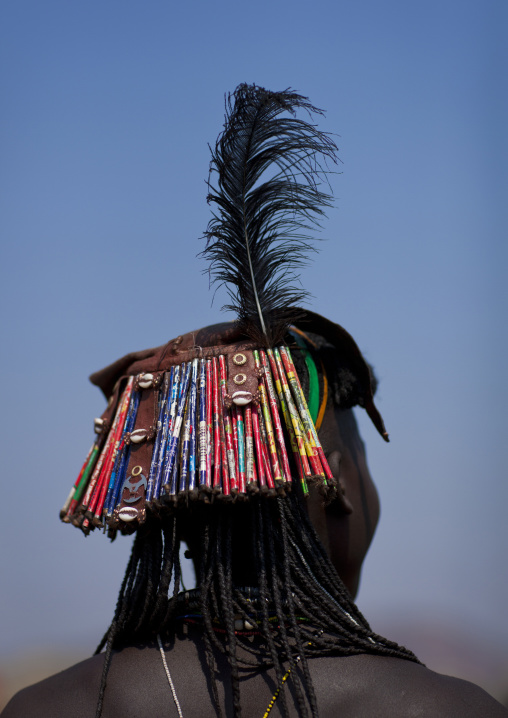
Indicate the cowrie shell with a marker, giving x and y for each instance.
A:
(138, 436)
(145, 381)
(97, 425)
(242, 398)
(128, 514)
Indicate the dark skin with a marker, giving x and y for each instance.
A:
(357, 686)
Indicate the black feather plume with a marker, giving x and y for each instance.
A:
(270, 166)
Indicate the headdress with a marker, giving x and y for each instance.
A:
(220, 414)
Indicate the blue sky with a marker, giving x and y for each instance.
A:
(108, 108)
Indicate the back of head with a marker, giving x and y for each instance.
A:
(214, 438)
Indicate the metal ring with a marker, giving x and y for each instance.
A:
(136, 471)
(239, 359)
(240, 379)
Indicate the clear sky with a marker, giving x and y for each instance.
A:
(107, 109)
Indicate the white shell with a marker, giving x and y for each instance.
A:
(242, 398)
(97, 425)
(145, 381)
(128, 514)
(238, 624)
(138, 436)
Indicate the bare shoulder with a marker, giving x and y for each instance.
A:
(377, 686)
(72, 693)
(367, 686)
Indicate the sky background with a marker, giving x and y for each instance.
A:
(107, 111)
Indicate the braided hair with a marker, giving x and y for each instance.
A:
(296, 582)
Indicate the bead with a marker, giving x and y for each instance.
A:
(97, 425)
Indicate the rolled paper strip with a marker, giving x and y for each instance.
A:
(169, 418)
(97, 472)
(310, 434)
(250, 469)
(145, 381)
(303, 342)
(172, 487)
(163, 404)
(272, 448)
(117, 475)
(264, 450)
(202, 423)
(266, 465)
(118, 427)
(124, 460)
(294, 417)
(193, 420)
(114, 473)
(184, 461)
(257, 445)
(272, 398)
(223, 452)
(298, 387)
(209, 423)
(83, 484)
(240, 430)
(100, 478)
(298, 395)
(184, 453)
(228, 429)
(217, 485)
(66, 506)
(168, 479)
(286, 416)
(235, 443)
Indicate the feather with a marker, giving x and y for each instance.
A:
(268, 166)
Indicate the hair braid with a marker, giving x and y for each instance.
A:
(295, 581)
